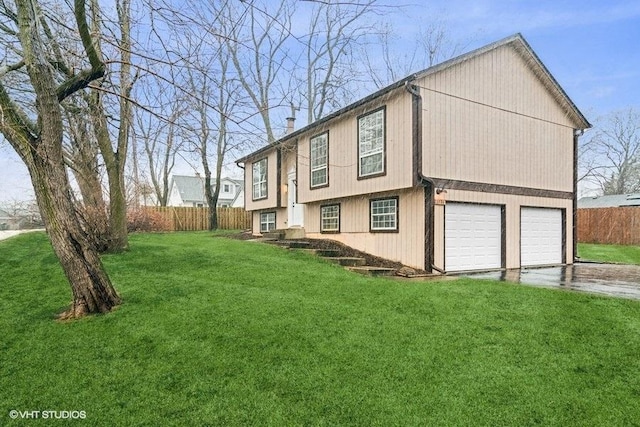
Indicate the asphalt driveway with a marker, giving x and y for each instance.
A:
(621, 281)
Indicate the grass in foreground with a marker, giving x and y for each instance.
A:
(620, 254)
(222, 332)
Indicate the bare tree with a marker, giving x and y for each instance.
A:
(161, 143)
(39, 144)
(611, 157)
(432, 46)
(115, 157)
(217, 98)
(335, 32)
(257, 45)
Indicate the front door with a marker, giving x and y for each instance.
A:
(294, 209)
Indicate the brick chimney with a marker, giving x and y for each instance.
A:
(292, 119)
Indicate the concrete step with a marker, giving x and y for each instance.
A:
(325, 253)
(347, 261)
(264, 240)
(275, 235)
(294, 233)
(368, 270)
(293, 244)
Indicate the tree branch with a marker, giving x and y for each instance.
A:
(97, 70)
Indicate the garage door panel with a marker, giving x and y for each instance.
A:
(473, 237)
(540, 236)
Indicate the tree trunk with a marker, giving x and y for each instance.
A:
(91, 288)
(40, 146)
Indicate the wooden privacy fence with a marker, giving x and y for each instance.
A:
(617, 226)
(197, 219)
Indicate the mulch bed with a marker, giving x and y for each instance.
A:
(344, 250)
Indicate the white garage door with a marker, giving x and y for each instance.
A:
(473, 237)
(540, 236)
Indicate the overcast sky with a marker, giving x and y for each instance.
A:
(590, 46)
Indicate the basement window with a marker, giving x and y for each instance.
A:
(330, 219)
(267, 222)
(384, 215)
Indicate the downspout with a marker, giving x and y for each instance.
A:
(577, 133)
(244, 183)
(419, 179)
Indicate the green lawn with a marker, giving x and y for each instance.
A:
(609, 253)
(216, 331)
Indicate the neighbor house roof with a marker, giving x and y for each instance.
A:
(191, 188)
(616, 200)
(516, 40)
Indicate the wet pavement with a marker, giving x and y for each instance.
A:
(621, 281)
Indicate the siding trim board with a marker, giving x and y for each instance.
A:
(278, 178)
(453, 184)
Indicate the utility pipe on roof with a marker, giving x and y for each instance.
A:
(419, 178)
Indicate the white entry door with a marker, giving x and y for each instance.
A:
(295, 210)
(540, 236)
(473, 237)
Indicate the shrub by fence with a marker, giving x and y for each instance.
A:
(197, 219)
(616, 226)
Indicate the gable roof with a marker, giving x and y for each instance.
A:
(517, 41)
(611, 201)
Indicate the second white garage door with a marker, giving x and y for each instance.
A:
(473, 237)
(540, 236)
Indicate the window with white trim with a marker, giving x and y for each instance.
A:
(260, 179)
(371, 135)
(330, 219)
(320, 160)
(384, 214)
(267, 221)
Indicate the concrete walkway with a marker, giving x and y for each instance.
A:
(5, 234)
(616, 280)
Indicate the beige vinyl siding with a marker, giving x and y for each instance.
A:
(512, 216)
(343, 152)
(272, 169)
(406, 246)
(490, 119)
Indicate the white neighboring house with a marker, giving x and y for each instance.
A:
(19, 218)
(188, 191)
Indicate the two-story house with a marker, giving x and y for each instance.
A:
(467, 165)
(189, 191)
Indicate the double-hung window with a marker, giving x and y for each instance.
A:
(260, 179)
(384, 214)
(330, 219)
(267, 221)
(319, 160)
(371, 144)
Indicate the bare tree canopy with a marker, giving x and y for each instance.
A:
(610, 157)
